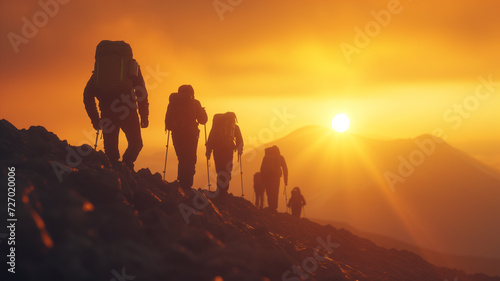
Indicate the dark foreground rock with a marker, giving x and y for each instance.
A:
(80, 218)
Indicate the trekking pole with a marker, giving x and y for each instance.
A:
(304, 210)
(208, 163)
(166, 154)
(96, 139)
(241, 173)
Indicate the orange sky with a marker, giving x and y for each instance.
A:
(262, 57)
(278, 65)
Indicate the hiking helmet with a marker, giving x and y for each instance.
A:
(186, 89)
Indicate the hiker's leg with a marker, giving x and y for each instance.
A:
(229, 166)
(268, 189)
(132, 130)
(222, 166)
(275, 189)
(219, 169)
(190, 165)
(262, 200)
(110, 132)
(180, 146)
(177, 142)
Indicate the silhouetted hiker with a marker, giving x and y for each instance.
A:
(184, 113)
(224, 139)
(272, 168)
(296, 202)
(118, 85)
(259, 189)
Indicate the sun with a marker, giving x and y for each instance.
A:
(340, 123)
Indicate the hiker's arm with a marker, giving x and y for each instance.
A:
(90, 105)
(285, 169)
(201, 114)
(142, 99)
(238, 139)
(303, 200)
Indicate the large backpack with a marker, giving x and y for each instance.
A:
(223, 128)
(181, 112)
(114, 68)
(271, 164)
(296, 198)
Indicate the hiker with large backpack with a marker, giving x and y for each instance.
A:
(118, 85)
(272, 168)
(259, 190)
(184, 113)
(224, 139)
(296, 202)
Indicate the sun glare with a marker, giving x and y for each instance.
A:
(340, 123)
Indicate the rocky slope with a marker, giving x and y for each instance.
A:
(80, 218)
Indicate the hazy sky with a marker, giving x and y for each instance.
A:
(408, 73)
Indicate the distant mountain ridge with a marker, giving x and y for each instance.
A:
(448, 201)
(104, 221)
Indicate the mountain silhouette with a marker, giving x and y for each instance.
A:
(80, 218)
(448, 203)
